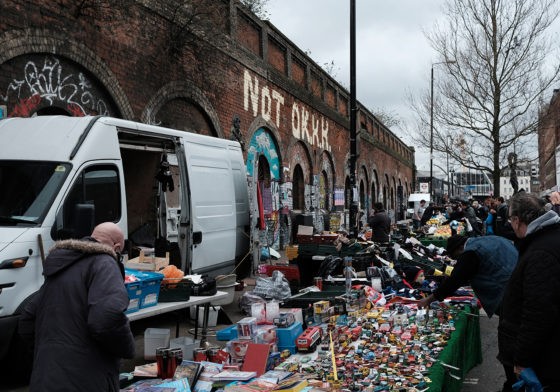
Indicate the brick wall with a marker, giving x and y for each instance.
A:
(146, 60)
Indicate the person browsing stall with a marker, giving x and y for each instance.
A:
(485, 263)
(380, 224)
(530, 315)
(417, 215)
(76, 322)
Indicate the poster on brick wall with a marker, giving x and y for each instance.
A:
(339, 197)
(286, 197)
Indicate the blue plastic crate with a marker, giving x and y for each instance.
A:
(228, 333)
(134, 290)
(287, 336)
(151, 282)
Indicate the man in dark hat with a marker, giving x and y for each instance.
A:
(486, 263)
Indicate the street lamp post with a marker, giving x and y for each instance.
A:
(432, 125)
(448, 174)
(452, 172)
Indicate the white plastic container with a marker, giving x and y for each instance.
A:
(187, 344)
(154, 338)
(212, 315)
(258, 311)
(272, 310)
(226, 283)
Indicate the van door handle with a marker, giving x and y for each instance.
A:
(197, 237)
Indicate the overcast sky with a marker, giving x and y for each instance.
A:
(393, 56)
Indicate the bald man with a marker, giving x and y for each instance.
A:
(77, 321)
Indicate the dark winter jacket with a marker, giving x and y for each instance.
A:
(530, 315)
(77, 320)
(380, 226)
(486, 264)
(502, 227)
(470, 215)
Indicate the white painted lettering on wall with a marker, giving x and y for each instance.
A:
(269, 103)
(301, 123)
(251, 94)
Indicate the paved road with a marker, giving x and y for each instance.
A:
(489, 375)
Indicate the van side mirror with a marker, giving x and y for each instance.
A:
(84, 220)
(79, 226)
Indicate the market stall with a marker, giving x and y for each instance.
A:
(357, 327)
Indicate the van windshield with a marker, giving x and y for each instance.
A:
(28, 189)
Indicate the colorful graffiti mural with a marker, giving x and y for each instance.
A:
(262, 143)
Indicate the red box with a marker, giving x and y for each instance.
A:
(291, 272)
(324, 238)
(305, 239)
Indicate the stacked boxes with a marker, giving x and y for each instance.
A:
(247, 328)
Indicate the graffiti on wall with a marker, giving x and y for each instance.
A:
(51, 83)
(326, 181)
(286, 196)
(262, 143)
(308, 191)
(269, 103)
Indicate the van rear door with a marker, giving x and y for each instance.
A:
(213, 206)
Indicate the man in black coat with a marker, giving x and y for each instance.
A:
(77, 321)
(502, 226)
(380, 224)
(531, 305)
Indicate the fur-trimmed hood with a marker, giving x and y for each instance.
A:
(67, 252)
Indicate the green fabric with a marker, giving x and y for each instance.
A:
(463, 350)
(440, 243)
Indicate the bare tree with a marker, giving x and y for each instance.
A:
(495, 67)
(258, 7)
(389, 118)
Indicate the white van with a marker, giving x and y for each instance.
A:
(60, 176)
(414, 203)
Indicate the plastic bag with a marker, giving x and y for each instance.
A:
(275, 287)
(469, 226)
(331, 265)
(247, 300)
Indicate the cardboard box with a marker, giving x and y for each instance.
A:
(147, 263)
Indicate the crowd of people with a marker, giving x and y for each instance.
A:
(510, 258)
(487, 218)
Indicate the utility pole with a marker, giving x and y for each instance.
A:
(432, 125)
(353, 229)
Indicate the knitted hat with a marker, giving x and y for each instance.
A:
(412, 273)
(455, 242)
